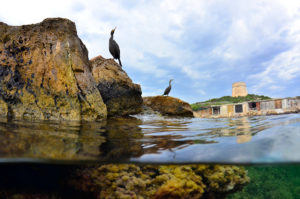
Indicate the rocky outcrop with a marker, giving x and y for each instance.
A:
(45, 73)
(167, 105)
(119, 93)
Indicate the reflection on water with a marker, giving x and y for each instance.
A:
(50, 140)
(155, 139)
(123, 139)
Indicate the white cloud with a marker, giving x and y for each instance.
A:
(150, 91)
(18, 12)
(204, 41)
(276, 87)
(201, 92)
(283, 68)
(194, 74)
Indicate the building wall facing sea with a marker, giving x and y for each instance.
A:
(251, 108)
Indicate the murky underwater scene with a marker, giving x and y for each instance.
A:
(151, 156)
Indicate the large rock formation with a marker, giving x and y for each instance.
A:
(119, 93)
(45, 73)
(167, 105)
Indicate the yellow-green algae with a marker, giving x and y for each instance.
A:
(167, 181)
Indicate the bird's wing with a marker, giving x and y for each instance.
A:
(115, 49)
(167, 90)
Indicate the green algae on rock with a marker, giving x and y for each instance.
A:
(45, 73)
(168, 181)
(119, 93)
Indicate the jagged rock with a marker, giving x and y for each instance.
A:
(167, 105)
(45, 73)
(119, 93)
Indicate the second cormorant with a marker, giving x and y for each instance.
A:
(168, 89)
(114, 47)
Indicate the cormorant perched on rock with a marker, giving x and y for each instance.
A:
(168, 89)
(114, 47)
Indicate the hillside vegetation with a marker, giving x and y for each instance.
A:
(227, 100)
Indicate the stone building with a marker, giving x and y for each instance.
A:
(239, 89)
(251, 108)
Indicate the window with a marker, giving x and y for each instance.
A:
(216, 110)
(252, 105)
(239, 108)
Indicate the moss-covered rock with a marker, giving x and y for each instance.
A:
(179, 182)
(45, 73)
(150, 181)
(119, 93)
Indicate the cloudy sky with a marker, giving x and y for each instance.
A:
(203, 45)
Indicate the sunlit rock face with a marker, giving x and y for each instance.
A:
(119, 93)
(167, 105)
(45, 73)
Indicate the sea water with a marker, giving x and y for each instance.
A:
(268, 146)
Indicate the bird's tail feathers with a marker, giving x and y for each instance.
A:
(120, 62)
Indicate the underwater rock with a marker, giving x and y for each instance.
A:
(153, 181)
(45, 73)
(119, 93)
(167, 105)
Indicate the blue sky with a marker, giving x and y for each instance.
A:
(203, 45)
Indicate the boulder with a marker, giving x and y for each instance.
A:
(119, 93)
(45, 73)
(167, 105)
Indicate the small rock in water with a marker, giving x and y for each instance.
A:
(167, 105)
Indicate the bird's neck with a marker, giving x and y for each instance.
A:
(111, 36)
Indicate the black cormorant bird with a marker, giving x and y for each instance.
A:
(168, 89)
(114, 47)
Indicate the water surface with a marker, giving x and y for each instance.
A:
(154, 139)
